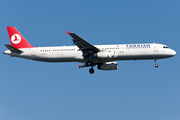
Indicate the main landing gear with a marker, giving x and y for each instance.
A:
(91, 70)
(88, 64)
(156, 65)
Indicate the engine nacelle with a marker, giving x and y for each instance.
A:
(108, 66)
(105, 54)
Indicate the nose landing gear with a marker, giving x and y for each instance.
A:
(156, 65)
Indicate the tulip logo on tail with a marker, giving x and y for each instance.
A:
(16, 38)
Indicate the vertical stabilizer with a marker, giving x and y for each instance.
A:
(16, 39)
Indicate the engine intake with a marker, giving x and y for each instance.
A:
(108, 66)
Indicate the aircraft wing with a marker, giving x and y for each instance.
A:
(82, 44)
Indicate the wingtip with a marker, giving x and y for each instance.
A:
(67, 32)
(79, 66)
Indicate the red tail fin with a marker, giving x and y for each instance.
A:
(16, 39)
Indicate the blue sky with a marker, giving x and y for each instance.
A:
(31, 90)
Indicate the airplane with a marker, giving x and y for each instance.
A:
(91, 55)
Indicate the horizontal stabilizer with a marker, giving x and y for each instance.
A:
(13, 49)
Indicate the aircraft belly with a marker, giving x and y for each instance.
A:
(57, 57)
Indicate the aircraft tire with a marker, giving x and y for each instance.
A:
(156, 65)
(91, 70)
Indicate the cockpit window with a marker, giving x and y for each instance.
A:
(165, 47)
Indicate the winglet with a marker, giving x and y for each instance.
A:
(68, 32)
(79, 66)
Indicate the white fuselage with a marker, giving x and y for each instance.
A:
(107, 53)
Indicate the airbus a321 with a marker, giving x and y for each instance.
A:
(91, 55)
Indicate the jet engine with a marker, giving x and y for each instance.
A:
(108, 66)
(105, 54)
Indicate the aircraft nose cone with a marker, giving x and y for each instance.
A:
(173, 52)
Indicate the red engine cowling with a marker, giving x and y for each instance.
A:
(108, 66)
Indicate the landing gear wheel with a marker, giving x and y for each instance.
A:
(156, 65)
(89, 63)
(91, 70)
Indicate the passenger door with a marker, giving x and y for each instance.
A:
(156, 49)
